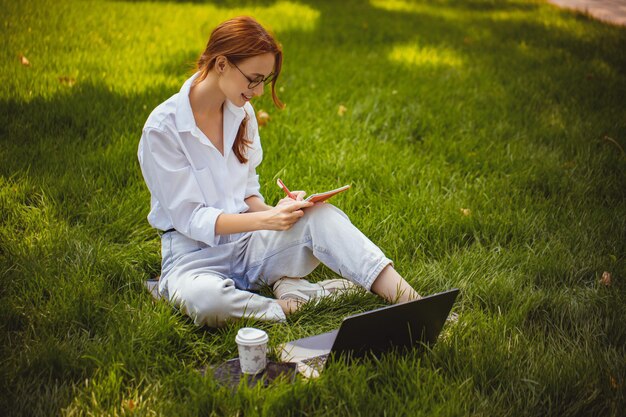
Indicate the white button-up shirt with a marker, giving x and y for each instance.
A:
(190, 181)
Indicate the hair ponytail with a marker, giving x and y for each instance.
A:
(242, 143)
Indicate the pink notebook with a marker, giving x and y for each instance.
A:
(316, 198)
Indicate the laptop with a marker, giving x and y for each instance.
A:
(397, 327)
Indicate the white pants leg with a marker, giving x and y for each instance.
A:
(213, 300)
(209, 283)
(195, 278)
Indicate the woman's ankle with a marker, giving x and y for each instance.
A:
(391, 286)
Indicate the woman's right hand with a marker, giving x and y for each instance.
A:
(299, 197)
(285, 215)
(290, 305)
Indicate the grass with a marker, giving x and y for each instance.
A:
(513, 110)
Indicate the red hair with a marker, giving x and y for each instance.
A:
(238, 39)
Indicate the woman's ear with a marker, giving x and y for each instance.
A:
(220, 64)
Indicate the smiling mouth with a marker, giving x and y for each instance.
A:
(245, 97)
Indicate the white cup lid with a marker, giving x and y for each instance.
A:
(251, 336)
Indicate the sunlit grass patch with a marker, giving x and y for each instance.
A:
(435, 9)
(425, 56)
(286, 16)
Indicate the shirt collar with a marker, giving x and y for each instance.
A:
(185, 121)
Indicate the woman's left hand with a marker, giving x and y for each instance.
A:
(299, 197)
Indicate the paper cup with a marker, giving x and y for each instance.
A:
(252, 345)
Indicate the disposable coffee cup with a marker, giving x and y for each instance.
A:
(252, 345)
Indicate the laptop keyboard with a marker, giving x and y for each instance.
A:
(316, 362)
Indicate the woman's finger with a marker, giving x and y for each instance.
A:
(294, 217)
(297, 205)
(299, 195)
(286, 200)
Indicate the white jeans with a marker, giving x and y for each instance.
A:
(212, 284)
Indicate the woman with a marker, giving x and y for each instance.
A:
(198, 153)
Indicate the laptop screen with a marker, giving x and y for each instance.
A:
(400, 326)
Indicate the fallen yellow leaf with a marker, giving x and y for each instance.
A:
(24, 61)
(606, 279)
(466, 212)
(341, 110)
(67, 80)
(130, 405)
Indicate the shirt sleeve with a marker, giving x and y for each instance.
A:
(170, 178)
(255, 156)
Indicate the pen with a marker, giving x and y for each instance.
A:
(285, 189)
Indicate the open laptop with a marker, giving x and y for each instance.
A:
(374, 332)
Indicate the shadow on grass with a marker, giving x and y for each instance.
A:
(497, 50)
(80, 148)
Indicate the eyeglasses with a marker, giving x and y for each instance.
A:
(253, 82)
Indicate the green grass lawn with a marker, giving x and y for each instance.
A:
(485, 143)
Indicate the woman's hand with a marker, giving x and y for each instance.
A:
(285, 214)
(299, 197)
(289, 306)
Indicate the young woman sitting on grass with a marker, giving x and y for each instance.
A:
(198, 152)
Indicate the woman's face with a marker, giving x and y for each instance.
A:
(236, 78)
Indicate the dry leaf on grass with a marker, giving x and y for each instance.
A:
(67, 80)
(24, 61)
(606, 279)
(262, 117)
(341, 110)
(129, 405)
(466, 212)
(614, 383)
